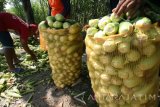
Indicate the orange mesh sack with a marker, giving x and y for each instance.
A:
(123, 66)
(65, 52)
(43, 45)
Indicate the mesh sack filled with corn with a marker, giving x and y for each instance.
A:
(123, 61)
(64, 42)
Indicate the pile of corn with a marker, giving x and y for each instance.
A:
(65, 51)
(124, 67)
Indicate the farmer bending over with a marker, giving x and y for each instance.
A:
(10, 22)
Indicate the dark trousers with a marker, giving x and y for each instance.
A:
(6, 39)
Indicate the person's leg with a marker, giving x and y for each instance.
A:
(8, 47)
(8, 52)
(15, 59)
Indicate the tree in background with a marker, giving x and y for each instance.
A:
(40, 9)
(28, 10)
(2, 5)
(16, 8)
(21, 8)
(81, 10)
(84, 10)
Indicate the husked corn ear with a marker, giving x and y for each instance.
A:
(123, 67)
(65, 52)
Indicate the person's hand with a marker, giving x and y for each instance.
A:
(127, 6)
(85, 28)
(36, 35)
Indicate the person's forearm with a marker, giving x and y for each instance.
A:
(26, 48)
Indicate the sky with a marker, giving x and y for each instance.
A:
(7, 6)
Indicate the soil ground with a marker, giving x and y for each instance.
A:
(46, 94)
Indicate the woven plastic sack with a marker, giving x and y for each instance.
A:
(43, 45)
(65, 53)
(124, 69)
